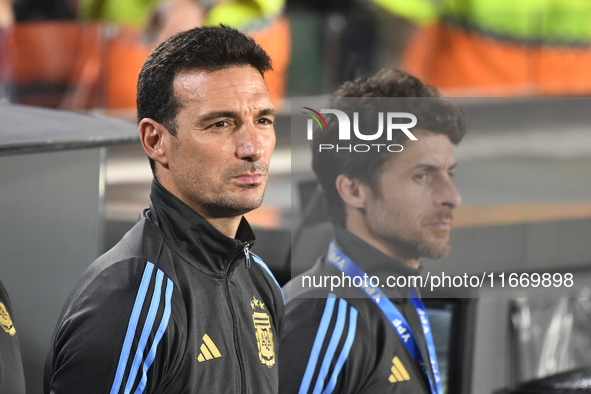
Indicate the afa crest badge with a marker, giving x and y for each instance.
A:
(6, 321)
(264, 333)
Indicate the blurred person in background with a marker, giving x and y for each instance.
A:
(499, 47)
(13, 11)
(389, 211)
(6, 14)
(12, 377)
(164, 18)
(44, 10)
(263, 20)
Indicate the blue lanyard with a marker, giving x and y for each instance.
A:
(398, 322)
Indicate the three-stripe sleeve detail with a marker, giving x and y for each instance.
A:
(135, 315)
(344, 352)
(320, 334)
(159, 334)
(151, 309)
(334, 338)
(332, 346)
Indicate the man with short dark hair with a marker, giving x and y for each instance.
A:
(391, 206)
(180, 304)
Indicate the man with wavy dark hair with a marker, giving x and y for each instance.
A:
(180, 304)
(390, 201)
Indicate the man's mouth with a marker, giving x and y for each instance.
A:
(443, 225)
(249, 179)
(441, 222)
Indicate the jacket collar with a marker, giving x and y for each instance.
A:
(193, 237)
(373, 262)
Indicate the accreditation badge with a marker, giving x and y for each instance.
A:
(6, 321)
(264, 333)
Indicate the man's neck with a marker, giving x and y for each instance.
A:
(227, 226)
(362, 232)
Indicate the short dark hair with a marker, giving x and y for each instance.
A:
(432, 112)
(209, 48)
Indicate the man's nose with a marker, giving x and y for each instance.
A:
(447, 196)
(250, 144)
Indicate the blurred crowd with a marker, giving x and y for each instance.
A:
(81, 54)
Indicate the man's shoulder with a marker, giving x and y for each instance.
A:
(321, 331)
(122, 307)
(122, 268)
(320, 281)
(326, 328)
(111, 296)
(313, 296)
(144, 240)
(302, 285)
(310, 294)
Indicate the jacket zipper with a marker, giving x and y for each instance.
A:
(247, 254)
(233, 313)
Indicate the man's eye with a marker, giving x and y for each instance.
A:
(420, 176)
(451, 173)
(222, 124)
(265, 121)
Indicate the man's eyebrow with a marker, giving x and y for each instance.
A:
(431, 167)
(219, 114)
(267, 112)
(232, 114)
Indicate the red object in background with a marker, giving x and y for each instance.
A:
(50, 63)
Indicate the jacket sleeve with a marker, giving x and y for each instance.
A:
(113, 332)
(318, 347)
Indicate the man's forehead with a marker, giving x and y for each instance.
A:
(197, 82)
(429, 141)
(431, 149)
(236, 90)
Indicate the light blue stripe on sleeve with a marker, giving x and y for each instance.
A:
(260, 262)
(332, 346)
(344, 353)
(322, 328)
(148, 324)
(163, 324)
(133, 320)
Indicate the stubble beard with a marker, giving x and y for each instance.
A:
(225, 204)
(434, 251)
(409, 244)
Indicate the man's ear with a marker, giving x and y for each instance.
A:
(154, 138)
(352, 191)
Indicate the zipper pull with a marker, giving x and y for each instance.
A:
(247, 254)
